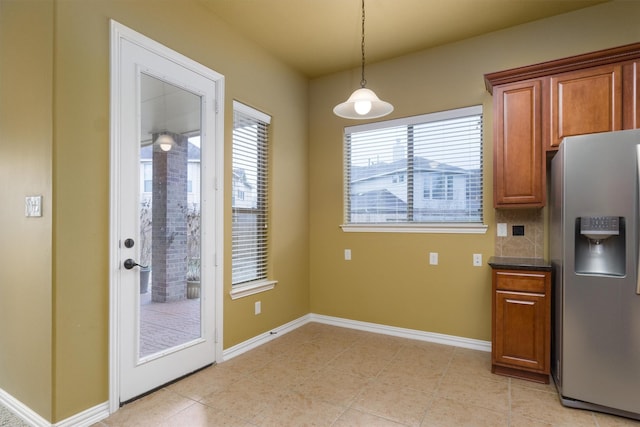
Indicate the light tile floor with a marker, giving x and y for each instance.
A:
(321, 375)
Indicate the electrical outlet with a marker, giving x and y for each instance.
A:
(517, 230)
(347, 254)
(502, 229)
(433, 258)
(258, 307)
(477, 260)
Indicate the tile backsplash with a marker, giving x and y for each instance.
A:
(529, 245)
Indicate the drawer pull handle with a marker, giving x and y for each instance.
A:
(502, 273)
(516, 301)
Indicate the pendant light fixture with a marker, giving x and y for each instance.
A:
(363, 103)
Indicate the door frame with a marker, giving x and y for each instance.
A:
(119, 32)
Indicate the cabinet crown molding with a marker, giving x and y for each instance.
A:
(601, 57)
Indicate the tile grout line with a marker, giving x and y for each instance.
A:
(509, 399)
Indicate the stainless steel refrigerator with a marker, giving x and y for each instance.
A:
(594, 252)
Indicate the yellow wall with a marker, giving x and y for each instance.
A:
(389, 279)
(26, 63)
(62, 48)
(54, 111)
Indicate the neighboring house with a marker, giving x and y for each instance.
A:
(379, 191)
(243, 193)
(193, 174)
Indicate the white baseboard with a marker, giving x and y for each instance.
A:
(403, 332)
(83, 419)
(414, 334)
(22, 411)
(264, 338)
(87, 417)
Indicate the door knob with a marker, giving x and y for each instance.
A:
(129, 264)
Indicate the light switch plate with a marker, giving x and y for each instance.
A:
(502, 229)
(33, 206)
(433, 258)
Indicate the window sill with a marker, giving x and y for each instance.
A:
(451, 228)
(252, 288)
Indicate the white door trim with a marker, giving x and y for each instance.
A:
(120, 32)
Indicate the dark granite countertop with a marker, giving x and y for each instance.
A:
(514, 263)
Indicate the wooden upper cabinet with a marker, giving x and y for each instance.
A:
(517, 149)
(585, 101)
(536, 106)
(631, 95)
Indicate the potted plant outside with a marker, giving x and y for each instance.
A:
(145, 245)
(193, 250)
(193, 278)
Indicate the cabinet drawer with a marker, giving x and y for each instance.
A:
(513, 280)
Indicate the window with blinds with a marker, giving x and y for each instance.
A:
(418, 170)
(249, 206)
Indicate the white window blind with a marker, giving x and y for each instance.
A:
(418, 170)
(250, 207)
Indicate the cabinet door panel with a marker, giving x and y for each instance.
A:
(586, 101)
(518, 178)
(520, 330)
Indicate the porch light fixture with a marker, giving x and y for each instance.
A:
(363, 103)
(165, 141)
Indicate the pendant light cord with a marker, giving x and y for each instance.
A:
(363, 82)
(363, 103)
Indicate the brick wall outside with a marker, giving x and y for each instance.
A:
(169, 229)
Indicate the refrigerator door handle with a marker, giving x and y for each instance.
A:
(637, 218)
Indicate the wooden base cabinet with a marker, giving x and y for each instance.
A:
(521, 324)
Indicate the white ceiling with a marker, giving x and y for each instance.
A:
(319, 37)
(165, 107)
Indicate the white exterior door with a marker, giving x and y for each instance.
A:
(166, 215)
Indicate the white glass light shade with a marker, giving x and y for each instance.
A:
(165, 142)
(363, 104)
